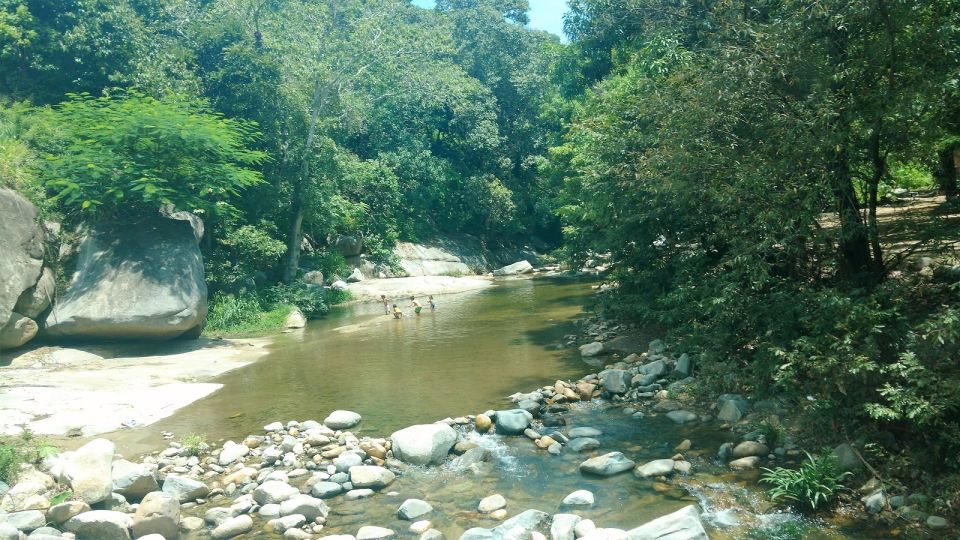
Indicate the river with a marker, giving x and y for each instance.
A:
(464, 358)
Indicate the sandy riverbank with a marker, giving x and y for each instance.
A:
(394, 288)
(88, 390)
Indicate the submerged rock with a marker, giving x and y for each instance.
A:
(607, 464)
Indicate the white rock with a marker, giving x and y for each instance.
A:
(425, 444)
(273, 492)
(411, 509)
(684, 524)
(563, 526)
(374, 533)
(579, 497)
(88, 471)
(233, 527)
(491, 503)
(342, 419)
(100, 524)
(232, 452)
(371, 476)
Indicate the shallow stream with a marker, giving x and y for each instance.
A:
(464, 358)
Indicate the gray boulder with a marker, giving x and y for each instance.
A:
(521, 525)
(425, 444)
(513, 421)
(584, 432)
(411, 509)
(847, 459)
(18, 331)
(348, 245)
(369, 532)
(133, 480)
(519, 267)
(657, 467)
(158, 513)
(342, 419)
(185, 489)
(615, 381)
(563, 525)
(88, 470)
(684, 524)
(355, 277)
(21, 243)
(273, 492)
(100, 525)
(326, 490)
(594, 348)
(583, 444)
(371, 476)
(36, 299)
(681, 416)
(309, 507)
(26, 520)
(233, 527)
(607, 464)
(143, 282)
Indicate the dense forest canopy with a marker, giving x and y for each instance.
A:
(727, 158)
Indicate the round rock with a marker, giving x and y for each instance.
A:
(341, 419)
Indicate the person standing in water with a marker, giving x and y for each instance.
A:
(433, 306)
(396, 312)
(415, 305)
(386, 306)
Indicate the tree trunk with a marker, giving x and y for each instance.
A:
(946, 174)
(879, 170)
(855, 262)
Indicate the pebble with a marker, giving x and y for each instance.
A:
(580, 497)
(492, 503)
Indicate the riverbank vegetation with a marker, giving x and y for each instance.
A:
(731, 159)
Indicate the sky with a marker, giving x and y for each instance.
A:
(544, 14)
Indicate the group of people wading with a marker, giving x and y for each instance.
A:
(397, 313)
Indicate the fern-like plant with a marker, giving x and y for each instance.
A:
(810, 487)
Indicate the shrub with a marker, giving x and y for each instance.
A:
(228, 311)
(813, 485)
(241, 253)
(18, 451)
(310, 300)
(329, 262)
(338, 296)
(194, 444)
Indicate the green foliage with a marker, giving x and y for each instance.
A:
(125, 156)
(194, 444)
(241, 253)
(23, 450)
(229, 311)
(309, 299)
(329, 261)
(60, 497)
(338, 296)
(810, 487)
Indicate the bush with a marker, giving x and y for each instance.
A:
(813, 485)
(229, 311)
(18, 451)
(194, 444)
(241, 253)
(310, 300)
(329, 262)
(338, 296)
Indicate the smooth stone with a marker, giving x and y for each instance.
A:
(563, 526)
(424, 444)
(133, 480)
(584, 432)
(583, 444)
(88, 470)
(420, 527)
(269, 511)
(584, 528)
(26, 520)
(326, 490)
(342, 419)
(357, 494)
(100, 525)
(185, 489)
(745, 463)
(591, 349)
(937, 522)
(344, 461)
(370, 476)
(579, 497)
(491, 503)
(657, 467)
(513, 421)
(750, 448)
(483, 423)
(684, 524)
(411, 509)
(309, 507)
(273, 492)
(233, 527)
(432, 534)
(681, 417)
(607, 464)
(232, 452)
(616, 381)
(62, 512)
(369, 532)
(158, 513)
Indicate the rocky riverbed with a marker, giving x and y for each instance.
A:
(325, 478)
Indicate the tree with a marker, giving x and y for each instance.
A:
(125, 156)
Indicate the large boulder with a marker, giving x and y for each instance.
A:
(519, 527)
(615, 381)
(36, 299)
(420, 260)
(89, 471)
(348, 245)
(425, 444)
(139, 282)
(21, 246)
(184, 489)
(684, 524)
(519, 267)
(18, 330)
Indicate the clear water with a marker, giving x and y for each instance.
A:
(465, 358)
